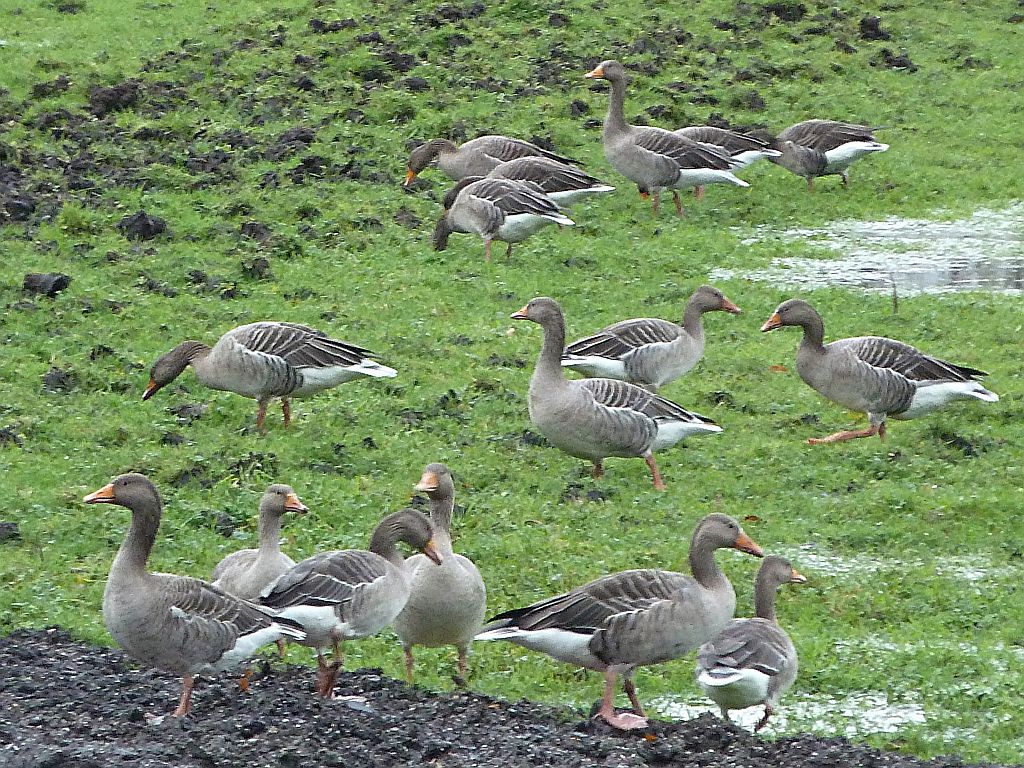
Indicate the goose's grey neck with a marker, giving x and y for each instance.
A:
(270, 532)
(441, 507)
(134, 551)
(384, 542)
(765, 591)
(549, 363)
(192, 351)
(814, 331)
(693, 322)
(703, 564)
(615, 120)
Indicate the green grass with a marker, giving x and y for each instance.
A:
(340, 260)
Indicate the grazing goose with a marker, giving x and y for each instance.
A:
(496, 209)
(752, 661)
(742, 147)
(350, 593)
(175, 623)
(447, 602)
(246, 572)
(266, 360)
(648, 351)
(654, 158)
(476, 157)
(565, 184)
(823, 148)
(633, 618)
(595, 418)
(872, 374)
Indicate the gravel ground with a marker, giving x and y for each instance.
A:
(64, 703)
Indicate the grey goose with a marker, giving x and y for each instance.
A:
(476, 157)
(881, 377)
(178, 624)
(268, 359)
(496, 209)
(648, 351)
(752, 661)
(633, 618)
(824, 147)
(653, 158)
(350, 593)
(446, 602)
(742, 147)
(595, 418)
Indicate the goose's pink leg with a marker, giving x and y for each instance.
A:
(851, 434)
(185, 703)
(659, 484)
(624, 721)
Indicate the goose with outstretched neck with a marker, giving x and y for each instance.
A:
(653, 158)
(752, 661)
(649, 351)
(595, 418)
(633, 618)
(881, 377)
(476, 157)
(350, 593)
(446, 603)
(815, 148)
(175, 623)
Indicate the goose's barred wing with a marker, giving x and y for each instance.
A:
(906, 360)
(824, 135)
(327, 579)
(204, 606)
(299, 345)
(625, 336)
(504, 148)
(746, 644)
(549, 175)
(731, 141)
(685, 152)
(620, 394)
(513, 197)
(588, 608)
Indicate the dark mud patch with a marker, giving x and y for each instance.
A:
(96, 716)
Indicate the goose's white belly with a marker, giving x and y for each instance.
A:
(843, 156)
(520, 226)
(740, 689)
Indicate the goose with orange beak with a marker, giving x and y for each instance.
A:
(881, 377)
(633, 618)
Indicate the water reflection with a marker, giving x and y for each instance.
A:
(983, 252)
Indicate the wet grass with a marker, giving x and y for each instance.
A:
(348, 251)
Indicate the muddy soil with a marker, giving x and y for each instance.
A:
(64, 703)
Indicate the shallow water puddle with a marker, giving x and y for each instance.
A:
(982, 252)
(857, 714)
(811, 560)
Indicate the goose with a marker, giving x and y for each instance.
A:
(594, 418)
(175, 623)
(350, 593)
(476, 157)
(823, 148)
(743, 148)
(633, 618)
(446, 603)
(872, 374)
(654, 158)
(648, 351)
(246, 572)
(268, 359)
(752, 661)
(496, 209)
(565, 184)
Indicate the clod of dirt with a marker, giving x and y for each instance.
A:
(9, 436)
(406, 218)
(871, 29)
(186, 413)
(892, 60)
(46, 283)
(172, 438)
(9, 531)
(19, 208)
(58, 380)
(321, 27)
(96, 717)
(141, 226)
(256, 230)
(786, 11)
(43, 90)
(103, 101)
(224, 525)
(257, 268)
(194, 474)
(290, 143)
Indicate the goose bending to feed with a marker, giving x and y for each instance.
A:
(653, 158)
(752, 661)
(246, 572)
(595, 418)
(565, 184)
(823, 148)
(633, 618)
(350, 593)
(476, 157)
(648, 351)
(175, 623)
(743, 148)
(881, 377)
(446, 603)
(266, 360)
(496, 209)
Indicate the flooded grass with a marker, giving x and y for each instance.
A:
(982, 252)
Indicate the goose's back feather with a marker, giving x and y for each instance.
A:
(825, 135)
(905, 359)
(625, 336)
